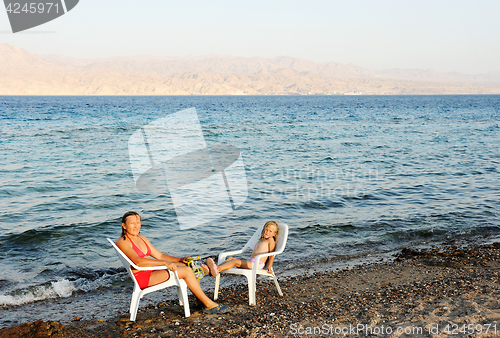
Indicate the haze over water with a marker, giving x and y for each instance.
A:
(351, 175)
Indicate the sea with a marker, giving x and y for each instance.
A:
(356, 178)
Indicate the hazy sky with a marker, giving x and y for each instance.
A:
(444, 35)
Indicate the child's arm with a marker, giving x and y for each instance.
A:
(270, 264)
(272, 245)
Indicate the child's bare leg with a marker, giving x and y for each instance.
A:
(230, 263)
(246, 265)
(235, 262)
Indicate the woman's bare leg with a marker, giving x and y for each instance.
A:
(184, 272)
(158, 276)
(194, 285)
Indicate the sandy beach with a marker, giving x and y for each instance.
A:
(439, 292)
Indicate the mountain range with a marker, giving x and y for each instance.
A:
(25, 73)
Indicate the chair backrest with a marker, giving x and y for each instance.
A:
(127, 263)
(282, 238)
(280, 241)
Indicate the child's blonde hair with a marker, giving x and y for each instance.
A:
(268, 223)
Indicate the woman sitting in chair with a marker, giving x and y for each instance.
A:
(140, 251)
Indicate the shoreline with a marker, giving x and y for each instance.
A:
(433, 292)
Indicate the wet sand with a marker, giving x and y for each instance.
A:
(440, 292)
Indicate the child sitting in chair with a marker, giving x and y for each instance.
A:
(266, 244)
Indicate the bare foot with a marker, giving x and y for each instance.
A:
(205, 269)
(214, 271)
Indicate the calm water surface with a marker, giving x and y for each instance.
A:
(352, 176)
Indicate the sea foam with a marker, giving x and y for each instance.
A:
(62, 288)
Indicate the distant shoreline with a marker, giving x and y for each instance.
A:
(25, 73)
(229, 95)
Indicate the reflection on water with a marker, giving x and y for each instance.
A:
(352, 176)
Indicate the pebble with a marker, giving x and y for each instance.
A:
(445, 285)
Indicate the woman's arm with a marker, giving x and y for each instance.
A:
(126, 248)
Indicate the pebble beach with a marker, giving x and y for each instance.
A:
(356, 178)
(447, 291)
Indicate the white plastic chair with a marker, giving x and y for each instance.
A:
(139, 293)
(251, 275)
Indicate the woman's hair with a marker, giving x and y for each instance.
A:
(268, 223)
(124, 220)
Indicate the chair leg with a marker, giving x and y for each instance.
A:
(183, 298)
(134, 304)
(251, 289)
(277, 285)
(180, 296)
(216, 290)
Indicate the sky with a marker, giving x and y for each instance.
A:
(442, 35)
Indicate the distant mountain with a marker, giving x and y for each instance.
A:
(24, 73)
(431, 75)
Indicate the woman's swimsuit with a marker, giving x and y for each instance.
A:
(139, 251)
(141, 276)
(261, 263)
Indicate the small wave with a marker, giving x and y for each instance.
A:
(322, 205)
(63, 289)
(33, 237)
(329, 230)
(352, 144)
(327, 159)
(363, 197)
(313, 205)
(105, 281)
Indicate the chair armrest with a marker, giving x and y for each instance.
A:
(160, 267)
(176, 276)
(223, 255)
(258, 257)
(157, 267)
(266, 255)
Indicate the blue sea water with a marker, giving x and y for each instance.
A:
(353, 176)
